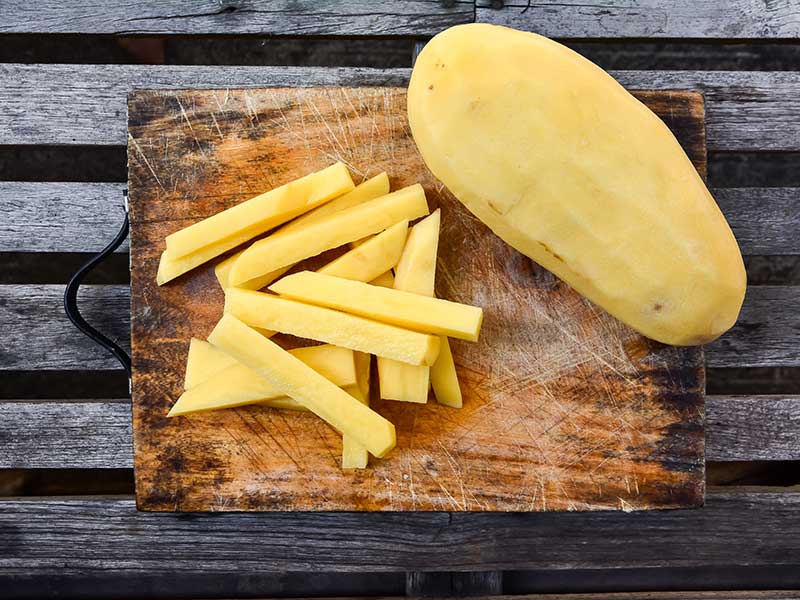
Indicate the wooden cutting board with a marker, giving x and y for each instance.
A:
(565, 408)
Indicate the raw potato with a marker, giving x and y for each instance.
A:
(372, 258)
(571, 170)
(264, 211)
(204, 361)
(415, 273)
(384, 280)
(199, 243)
(299, 381)
(170, 268)
(219, 381)
(332, 362)
(444, 379)
(354, 455)
(416, 270)
(258, 309)
(369, 190)
(333, 231)
(403, 309)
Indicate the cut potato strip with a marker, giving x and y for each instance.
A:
(297, 380)
(170, 268)
(384, 280)
(372, 258)
(444, 379)
(402, 382)
(264, 211)
(286, 403)
(203, 362)
(415, 312)
(287, 248)
(416, 269)
(233, 227)
(369, 190)
(354, 455)
(236, 385)
(415, 273)
(333, 362)
(258, 309)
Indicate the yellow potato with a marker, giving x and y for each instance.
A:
(444, 379)
(218, 381)
(264, 211)
(369, 190)
(384, 280)
(299, 381)
(194, 245)
(562, 163)
(335, 230)
(412, 311)
(371, 259)
(258, 309)
(354, 455)
(415, 273)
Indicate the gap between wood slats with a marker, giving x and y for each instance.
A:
(232, 17)
(80, 385)
(426, 584)
(37, 334)
(714, 591)
(252, 584)
(85, 536)
(97, 434)
(23, 268)
(610, 54)
(114, 481)
(85, 104)
(586, 584)
(645, 18)
(83, 217)
(109, 164)
(740, 381)
(381, 53)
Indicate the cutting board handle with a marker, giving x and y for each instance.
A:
(71, 296)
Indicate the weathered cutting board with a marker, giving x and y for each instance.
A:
(564, 407)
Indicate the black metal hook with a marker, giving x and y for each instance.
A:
(71, 298)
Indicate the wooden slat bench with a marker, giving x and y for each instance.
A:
(746, 534)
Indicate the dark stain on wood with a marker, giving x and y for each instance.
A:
(565, 408)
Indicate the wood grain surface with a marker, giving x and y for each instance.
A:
(565, 408)
(736, 529)
(38, 335)
(44, 216)
(70, 105)
(726, 19)
(80, 434)
(230, 17)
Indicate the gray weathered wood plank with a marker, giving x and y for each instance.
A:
(85, 104)
(229, 17)
(764, 220)
(766, 334)
(66, 435)
(37, 334)
(738, 19)
(83, 217)
(755, 428)
(59, 217)
(97, 433)
(85, 535)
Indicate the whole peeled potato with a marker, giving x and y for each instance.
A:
(567, 167)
